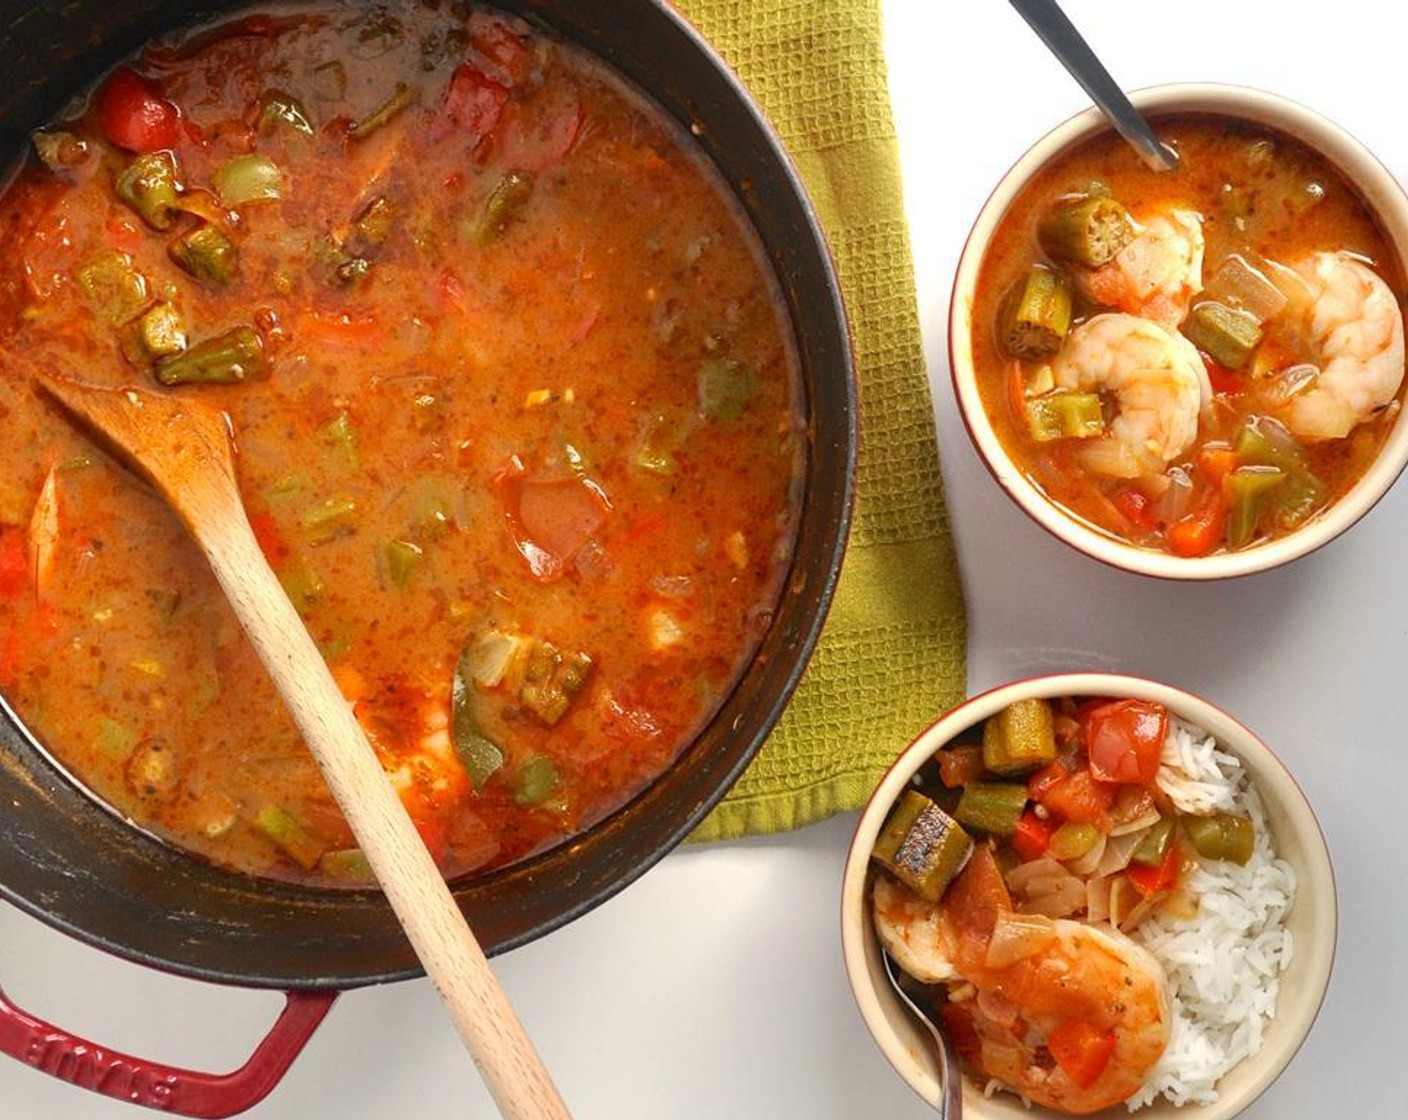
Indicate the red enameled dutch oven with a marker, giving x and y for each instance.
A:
(75, 865)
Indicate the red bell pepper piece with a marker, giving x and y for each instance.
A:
(1199, 532)
(1082, 1050)
(1079, 798)
(1032, 836)
(1136, 508)
(1161, 876)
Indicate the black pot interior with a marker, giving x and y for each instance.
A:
(75, 865)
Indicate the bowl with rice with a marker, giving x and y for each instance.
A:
(1112, 895)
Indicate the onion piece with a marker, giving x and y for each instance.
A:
(1045, 887)
(1118, 850)
(1018, 936)
(1141, 823)
(1097, 899)
(248, 178)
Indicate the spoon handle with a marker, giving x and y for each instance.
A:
(434, 924)
(1046, 18)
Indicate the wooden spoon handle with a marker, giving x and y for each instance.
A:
(453, 959)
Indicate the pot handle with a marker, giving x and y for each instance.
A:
(168, 1088)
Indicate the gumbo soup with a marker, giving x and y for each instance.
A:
(1195, 361)
(517, 417)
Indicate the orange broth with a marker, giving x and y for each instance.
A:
(518, 428)
(1262, 196)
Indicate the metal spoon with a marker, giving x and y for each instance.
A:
(1053, 28)
(950, 1102)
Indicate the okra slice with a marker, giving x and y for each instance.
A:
(1063, 415)
(113, 285)
(991, 807)
(505, 201)
(1036, 315)
(1019, 738)
(224, 360)
(1225, 334)
(207, 254)
(160, 331)
(921, 845)
(1086, 230)
(395, 103)
(149, 185)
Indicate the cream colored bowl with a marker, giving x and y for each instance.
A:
(1298, 839)
(1379, 189)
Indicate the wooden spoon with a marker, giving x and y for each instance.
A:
(184, 449)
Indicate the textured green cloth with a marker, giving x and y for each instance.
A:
(891, 656)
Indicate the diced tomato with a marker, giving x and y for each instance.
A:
(1032, 836)
(1150, 880)
(1222, 379)
(1082, 1050)
(1080, 799)
(975, 898)
(500, 47)
(1046, 779)
(960, 765)
(1199, 532)
(1124, 740)
(474, 102)
(134, 115)
(14, 561)
(551, 519)
(1136, 508)
(538, 134)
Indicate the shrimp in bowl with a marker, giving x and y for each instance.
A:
(1054, 917)
(1269, 266)
(1069, 1015)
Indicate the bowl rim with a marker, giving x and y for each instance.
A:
(1378, 188)
(1300, 840)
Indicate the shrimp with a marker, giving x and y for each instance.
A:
(1070, 1015)
(1157, 274)
(909, 930)
(1355, 324)
(1088, 986)
(1158, 382)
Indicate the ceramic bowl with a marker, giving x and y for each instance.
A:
(1378, 189)
(1297, 839)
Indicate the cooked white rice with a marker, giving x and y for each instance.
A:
(1224, 963)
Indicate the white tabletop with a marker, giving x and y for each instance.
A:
(713, 987)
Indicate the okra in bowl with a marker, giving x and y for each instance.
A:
(1191, 374)
(1110, 893)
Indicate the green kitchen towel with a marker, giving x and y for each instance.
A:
(891, 656)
